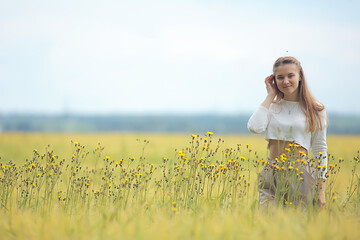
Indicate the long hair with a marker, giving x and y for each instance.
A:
(310, 105)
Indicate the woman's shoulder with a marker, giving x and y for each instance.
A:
(320, 108)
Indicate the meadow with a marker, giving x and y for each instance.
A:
(164, 186)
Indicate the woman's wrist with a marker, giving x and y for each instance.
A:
(268, 100)
(321, 180)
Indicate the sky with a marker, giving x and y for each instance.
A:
(172, 57)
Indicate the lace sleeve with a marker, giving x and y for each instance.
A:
(319, 146)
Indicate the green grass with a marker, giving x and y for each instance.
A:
(149, 212)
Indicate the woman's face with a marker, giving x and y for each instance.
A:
(287, 79)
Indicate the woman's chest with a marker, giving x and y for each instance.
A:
(287, 125)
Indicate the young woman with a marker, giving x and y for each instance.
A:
(290, 115)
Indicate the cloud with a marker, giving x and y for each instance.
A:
(99, 55)
(200, 42)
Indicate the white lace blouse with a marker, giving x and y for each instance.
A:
(286, 121)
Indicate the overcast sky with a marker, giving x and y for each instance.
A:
(113, 57)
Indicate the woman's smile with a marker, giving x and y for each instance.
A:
(287, 79)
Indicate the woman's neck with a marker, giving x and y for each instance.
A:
(292, 97)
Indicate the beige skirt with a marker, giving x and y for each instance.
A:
(287, 187)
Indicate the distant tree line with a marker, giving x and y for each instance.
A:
(338, 124)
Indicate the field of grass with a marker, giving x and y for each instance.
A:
(161, 186)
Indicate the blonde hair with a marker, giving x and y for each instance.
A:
(310, 105)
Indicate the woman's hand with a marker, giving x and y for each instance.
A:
(321, 185)
(270, 85)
